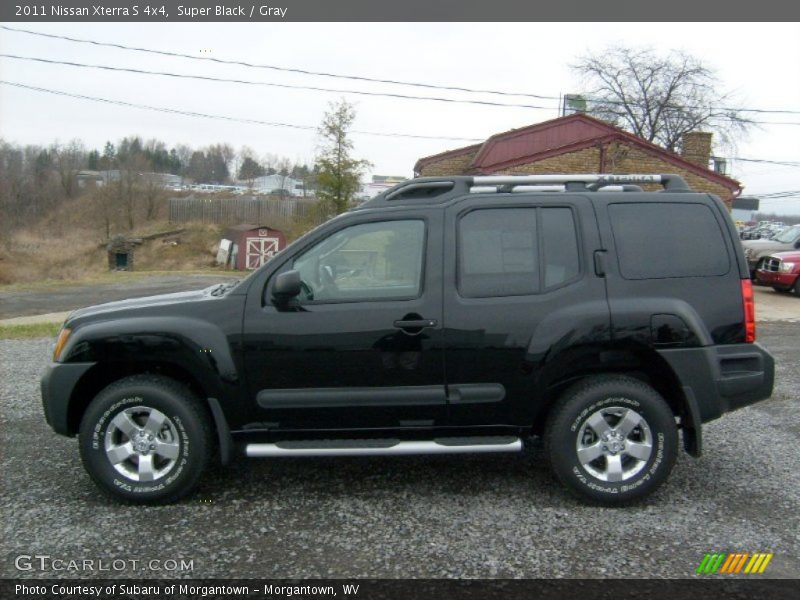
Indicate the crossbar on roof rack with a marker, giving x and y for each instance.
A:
(589, 181)
(567, 178)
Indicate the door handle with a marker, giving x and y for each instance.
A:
(415, 323)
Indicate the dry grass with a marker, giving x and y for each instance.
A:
(68, 244)
(33, 255)
(193, 249)
(34, 330)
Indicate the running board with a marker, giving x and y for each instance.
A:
(471, 445)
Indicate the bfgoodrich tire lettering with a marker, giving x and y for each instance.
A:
(611, 439)
(145, 439)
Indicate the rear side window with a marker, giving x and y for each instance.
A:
(499, 253)
(560, 246)
(662, 240)
(516, 251)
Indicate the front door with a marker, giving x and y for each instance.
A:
(361, 347)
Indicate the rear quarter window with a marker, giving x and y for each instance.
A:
(656, 241)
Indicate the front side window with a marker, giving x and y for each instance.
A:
(371, 261)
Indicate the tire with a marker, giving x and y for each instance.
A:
(157, 434)
(796, 287)
(602, 470)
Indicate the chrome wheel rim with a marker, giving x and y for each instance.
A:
(142, 443)
(614, 444)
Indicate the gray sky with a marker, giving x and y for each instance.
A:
(759, 62)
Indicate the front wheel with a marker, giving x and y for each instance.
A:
(145, 439)
(611, 439)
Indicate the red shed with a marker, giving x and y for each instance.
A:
(253, 245)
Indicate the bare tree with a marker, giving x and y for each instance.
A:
(153, 194)
(659, 97)
(102, 203)
(184, 155)
(69, 160)
(128, 188)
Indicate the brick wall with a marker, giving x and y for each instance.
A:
(696, 147)
(618, 157)
(621, 159)
(454, 165)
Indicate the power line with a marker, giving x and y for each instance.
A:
(311, 88)
(769, 162)
(223, 117)
(275, 123)
(343, 76)
(269, 84)
(277, 68)
(776, 195)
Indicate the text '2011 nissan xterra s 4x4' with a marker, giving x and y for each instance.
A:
(446, 315)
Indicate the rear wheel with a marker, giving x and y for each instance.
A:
(145, 439)
(611, 439)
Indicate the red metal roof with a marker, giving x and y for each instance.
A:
(540, 137)
(561, 136)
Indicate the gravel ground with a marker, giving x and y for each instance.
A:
(472, 516)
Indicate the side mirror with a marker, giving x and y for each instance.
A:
(287, 286)
(797, 244)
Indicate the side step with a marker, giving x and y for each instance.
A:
(462, 445)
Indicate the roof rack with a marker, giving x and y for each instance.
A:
(440, 189)
(581, 182)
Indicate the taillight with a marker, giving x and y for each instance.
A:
(749, 311)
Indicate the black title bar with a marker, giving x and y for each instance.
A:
(711, 588)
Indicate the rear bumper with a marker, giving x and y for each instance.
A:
(774, 278)
(723, 378)
(57, 384)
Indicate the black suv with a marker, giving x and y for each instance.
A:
(446, 315)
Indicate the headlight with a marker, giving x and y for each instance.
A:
(63, 336)
(786, 267)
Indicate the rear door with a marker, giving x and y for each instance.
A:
(520, 288)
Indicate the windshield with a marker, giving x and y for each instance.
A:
(788, 236)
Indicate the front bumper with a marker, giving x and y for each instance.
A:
(785, 280)
(723, 378)
(57, 385)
